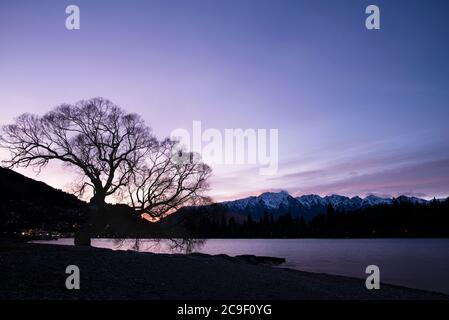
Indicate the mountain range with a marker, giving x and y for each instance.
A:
(26, 203)
(279, 203)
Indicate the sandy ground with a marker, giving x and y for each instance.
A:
(36, 271)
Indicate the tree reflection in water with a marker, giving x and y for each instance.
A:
(160, 245)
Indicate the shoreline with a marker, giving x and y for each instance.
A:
(37, 271)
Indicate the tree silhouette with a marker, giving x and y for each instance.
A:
(96, 137)
(162, 184)
(114, 152)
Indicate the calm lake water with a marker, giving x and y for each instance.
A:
(414, 263)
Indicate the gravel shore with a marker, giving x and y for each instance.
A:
(37, 271)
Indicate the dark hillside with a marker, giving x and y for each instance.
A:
(29, 204)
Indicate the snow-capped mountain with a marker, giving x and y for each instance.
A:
(311, 200)
(267, 199)
(411, 199)
(268, 202)
(343, 203)
(274, 200)
(278, 203)
(372, 200)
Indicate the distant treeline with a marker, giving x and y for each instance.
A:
(402, 219)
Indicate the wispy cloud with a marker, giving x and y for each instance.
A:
(426, 179)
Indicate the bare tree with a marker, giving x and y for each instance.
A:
(115, 154)
(94, 136)
(165, 182)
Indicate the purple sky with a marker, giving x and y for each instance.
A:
(358, 111)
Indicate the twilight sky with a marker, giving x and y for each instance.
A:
(358, 111)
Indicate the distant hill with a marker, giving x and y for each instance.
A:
(27, 203)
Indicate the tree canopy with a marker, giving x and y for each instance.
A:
(114, 152)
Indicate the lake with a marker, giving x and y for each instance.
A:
(414, 263)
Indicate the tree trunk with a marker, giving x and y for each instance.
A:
(95, 222)
(82, 237)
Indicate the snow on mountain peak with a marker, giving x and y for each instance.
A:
(310, 200)
(411, 199)
(274, 199)
(373, 200)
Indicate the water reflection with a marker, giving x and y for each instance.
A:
(160, 245)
